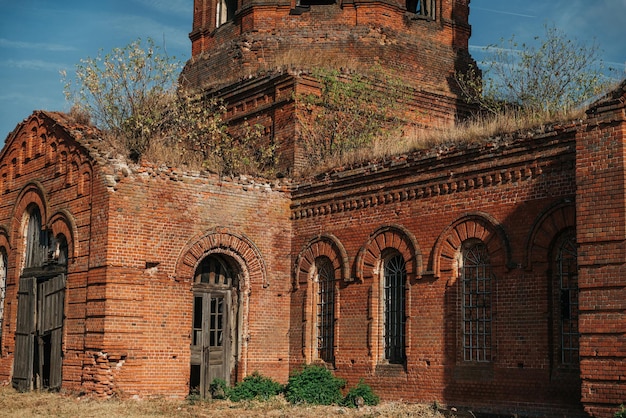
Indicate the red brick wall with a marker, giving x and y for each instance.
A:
(601, 235)
(157, 221)
(136, 234)
(516, 198)
(42, 165)
(132, 234)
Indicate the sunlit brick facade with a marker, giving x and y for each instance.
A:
(488, 277)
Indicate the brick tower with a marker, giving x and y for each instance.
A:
(256, 53)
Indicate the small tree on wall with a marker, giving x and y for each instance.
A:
(351, 111)
(553, 74)
(132, 93)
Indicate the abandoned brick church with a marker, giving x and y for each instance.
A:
(489, 276)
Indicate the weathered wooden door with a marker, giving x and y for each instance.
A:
(210, 349)
(25, 334)
(214, 334)
(38, 338)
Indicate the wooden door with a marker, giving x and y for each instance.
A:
(51, 296)
(38, 338)
(25, 334)
(211, 341)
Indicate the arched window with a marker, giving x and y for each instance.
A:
(325, 309)
(422, 8)
(476, 305)
(224, 11)
(393, 308)
(565, 295)
(35, 239)
(60, 249)
(4, 269)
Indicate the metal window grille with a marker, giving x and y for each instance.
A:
(394, 293)
(325, 310)
(476, 309)
(568, 287)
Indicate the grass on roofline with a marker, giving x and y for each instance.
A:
(474, 131)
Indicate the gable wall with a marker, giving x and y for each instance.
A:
(40, 164)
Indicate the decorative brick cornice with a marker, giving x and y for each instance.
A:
(431, 173)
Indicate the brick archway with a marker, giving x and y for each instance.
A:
(62, 222)
(32, 193)
(389, 236)
(225, 242)
(548, 225)
(474, 225)
(323, 245)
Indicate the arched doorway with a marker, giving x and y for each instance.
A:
(215, 328)
(41, 295)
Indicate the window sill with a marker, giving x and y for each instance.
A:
(390, 370)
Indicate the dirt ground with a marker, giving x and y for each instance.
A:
(36, 404)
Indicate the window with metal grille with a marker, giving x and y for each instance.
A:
(394, 301)
(476, 309)
(567, 279)
(325, 309)
(422, 8)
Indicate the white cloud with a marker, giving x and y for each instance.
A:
(503, 12)
(33, 45)
(37, 65)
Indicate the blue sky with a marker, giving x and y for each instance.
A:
(39, 38)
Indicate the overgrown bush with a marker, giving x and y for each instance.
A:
(133, 95)
(621, 412)
(219, 389)
(314, 385)
(351, 111)
(551, 74)
(254, 386)
(363, 391)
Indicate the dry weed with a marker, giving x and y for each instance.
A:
(475, 131)
(42, 404)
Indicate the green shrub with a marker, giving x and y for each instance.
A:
(363, 391)
(621, 412)
(314, 385)
(219, 389)
(254, 386)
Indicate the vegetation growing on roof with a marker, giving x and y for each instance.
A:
(132, 94)
(351, 112)
(551, 75)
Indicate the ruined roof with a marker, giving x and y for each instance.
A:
(612, 100)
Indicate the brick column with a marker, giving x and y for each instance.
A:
(601, 236)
